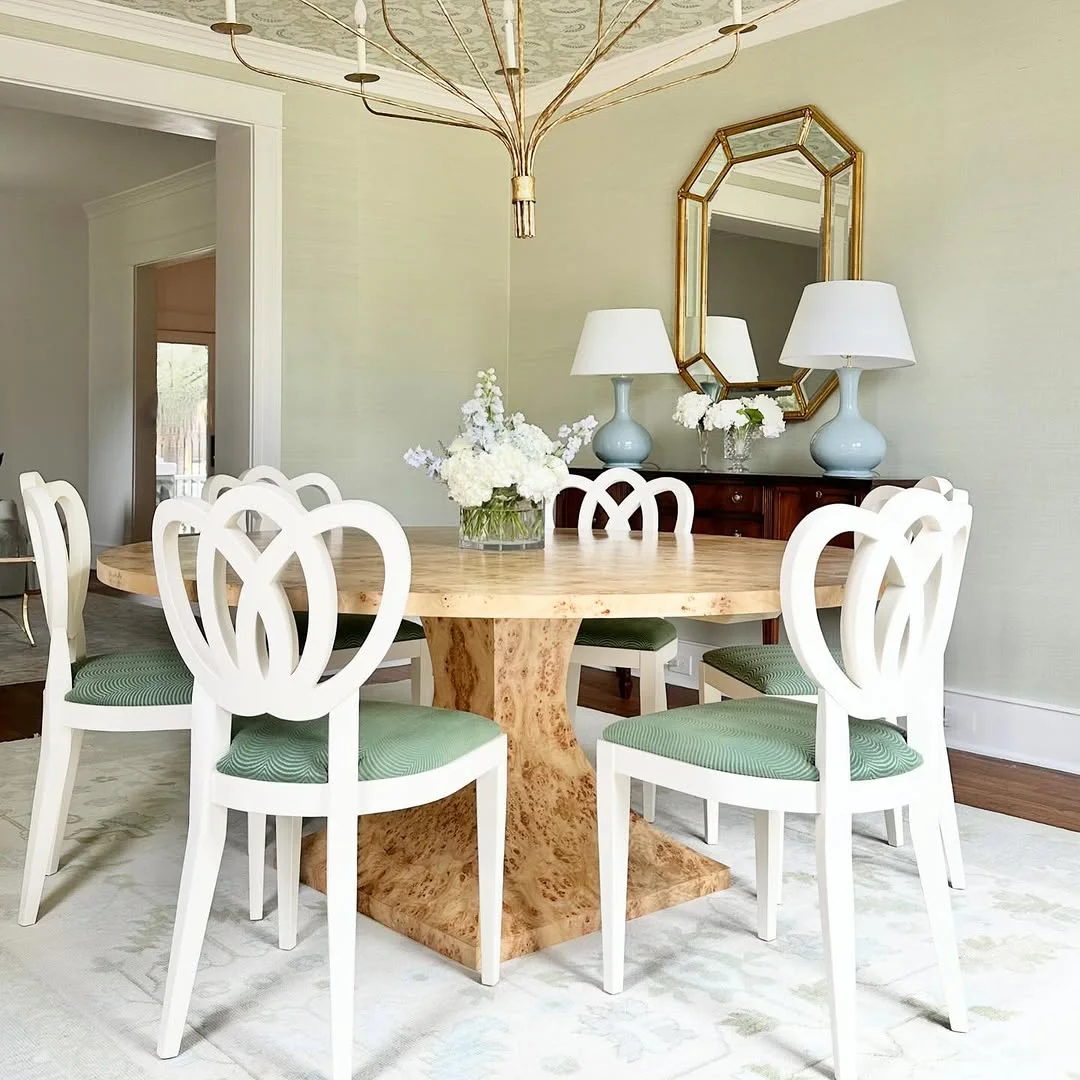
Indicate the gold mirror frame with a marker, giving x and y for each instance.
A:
(688, 200)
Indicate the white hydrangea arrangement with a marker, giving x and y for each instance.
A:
(499, 459)
(760, 414)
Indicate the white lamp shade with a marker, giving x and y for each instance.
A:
(848, 324)
(624, 341)
(727, 343)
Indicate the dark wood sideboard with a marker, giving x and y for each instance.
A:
(763, 505)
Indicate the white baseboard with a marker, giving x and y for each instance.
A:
(1031, 732)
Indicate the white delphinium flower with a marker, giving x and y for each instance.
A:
(528, 438)
(690, 409)
(423, 459)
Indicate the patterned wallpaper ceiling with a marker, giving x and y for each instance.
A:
(558, 32)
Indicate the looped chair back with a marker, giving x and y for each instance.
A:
(899, 598)
(250, 662)
(60, 538)
(642, 497)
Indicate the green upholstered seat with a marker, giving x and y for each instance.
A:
(645, 635)
(769, 669)
(142, 677)
(352, 630)
(765, 737)
(395, 740)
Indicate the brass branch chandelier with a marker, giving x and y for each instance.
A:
(490, 109)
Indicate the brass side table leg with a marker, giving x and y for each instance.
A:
(26, 617)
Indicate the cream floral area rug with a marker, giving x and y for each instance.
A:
(80, 992)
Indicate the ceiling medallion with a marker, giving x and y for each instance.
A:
(501, 112)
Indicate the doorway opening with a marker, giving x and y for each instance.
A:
(175, 369)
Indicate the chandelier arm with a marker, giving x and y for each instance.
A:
(436, 76)
(519, 118)
(599, 20)
(435, 115)
(475, 66)
(592, 58)
(519, 33)
(445, 119)
(592, 105)
(589, 107)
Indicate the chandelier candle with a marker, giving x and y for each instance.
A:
(496, 104)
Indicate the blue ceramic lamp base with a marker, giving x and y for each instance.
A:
(848, 445)
(622, 441)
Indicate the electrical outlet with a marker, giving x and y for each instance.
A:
(682, 663)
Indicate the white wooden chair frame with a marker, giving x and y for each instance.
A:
(63, 567)
(892, 649)
(255, 666)
(652, 684)
(415, 652)
(714, 685)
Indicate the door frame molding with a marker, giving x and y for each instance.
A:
(118, 90)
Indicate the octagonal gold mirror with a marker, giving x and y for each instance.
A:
(771, 206)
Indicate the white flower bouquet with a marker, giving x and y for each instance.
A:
(741, 419)
(501, 470)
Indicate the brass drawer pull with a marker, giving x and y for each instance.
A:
(737, 532)
(817, 494)
(737, 496)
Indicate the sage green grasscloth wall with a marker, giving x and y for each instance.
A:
(395, 282)
(967, 113)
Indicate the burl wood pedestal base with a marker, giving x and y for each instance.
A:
(418, 867)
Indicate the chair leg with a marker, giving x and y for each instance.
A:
(490, 850)
(65, 806)
(288, 834)
(427, 678)
(769, 850)
(256, 824)
(416, 680)
(950, 830)
(55, 762)
(613, 833)
(926, 839)
(837, 899)
(573, 688)
(653, 690)
(894, 826)
(202, 862)
(341, 917)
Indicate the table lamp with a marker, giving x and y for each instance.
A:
(622, 343)
(848, 326)
(727, 344)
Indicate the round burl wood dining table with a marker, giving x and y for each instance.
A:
(501, 627)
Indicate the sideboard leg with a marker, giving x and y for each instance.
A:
(626, 685)
(770, 631)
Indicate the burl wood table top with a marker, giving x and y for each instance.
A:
(601, 576)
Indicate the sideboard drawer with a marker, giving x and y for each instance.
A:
(793, 503)
(729, 525)
(731, 498)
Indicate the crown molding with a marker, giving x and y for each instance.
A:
(179, 35)
(188, 180)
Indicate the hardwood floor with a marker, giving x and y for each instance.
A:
(1022, 791)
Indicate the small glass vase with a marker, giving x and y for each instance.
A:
(703, 449)
(738, 442)
(506, 522)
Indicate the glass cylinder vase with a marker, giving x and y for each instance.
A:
(703, 449)
(738, 442)
(506, 522)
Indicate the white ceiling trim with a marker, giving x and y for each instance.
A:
(146, 28)
(110, 20)
(187, 180)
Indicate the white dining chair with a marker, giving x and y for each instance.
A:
(745, 671)
(832, 759)
(130, 690)
(316, 751)
(645, 644)
(409, 642)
